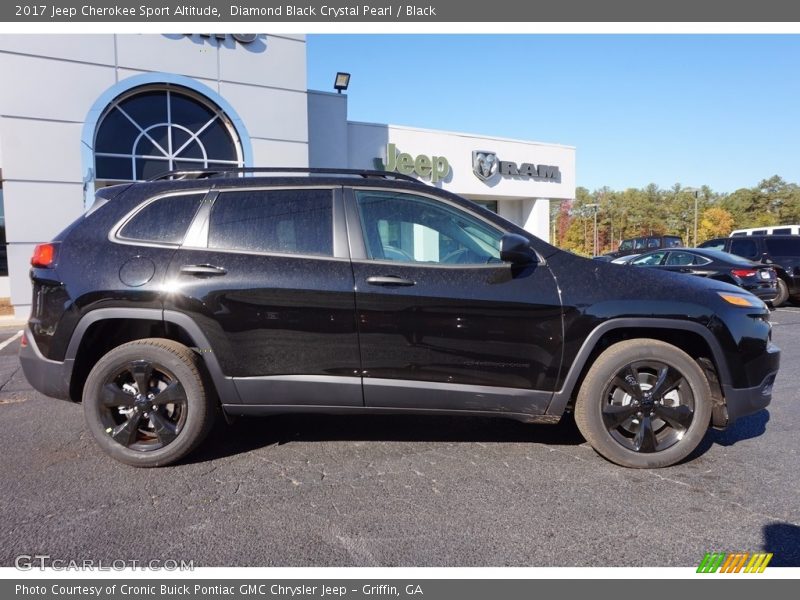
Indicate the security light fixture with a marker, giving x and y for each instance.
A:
(341, 82)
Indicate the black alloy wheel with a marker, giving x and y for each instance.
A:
(649, 406)
(147, 404)
(644, 403)
(144, 406)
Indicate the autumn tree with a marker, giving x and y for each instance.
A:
(715, 222)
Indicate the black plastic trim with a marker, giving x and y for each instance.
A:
(743, 402)
(50, 377)
(277, 409)
(428, 395)
(300, 390)
(562, 397)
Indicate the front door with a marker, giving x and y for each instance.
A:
(444, 324)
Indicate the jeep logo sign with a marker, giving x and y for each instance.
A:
(434, 167)
(486, 165)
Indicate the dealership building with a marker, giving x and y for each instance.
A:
(79, 112)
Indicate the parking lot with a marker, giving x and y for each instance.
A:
(398, 491)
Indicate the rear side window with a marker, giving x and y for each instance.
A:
(285, 221)
(672, 242)
(714, 244)
(163, 221)
(783, 246)
(681, 259)
(744, 247)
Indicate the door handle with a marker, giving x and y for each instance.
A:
(202, 270)
(389, 280)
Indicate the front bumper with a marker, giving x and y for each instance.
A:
(49, 377)
(740, 402)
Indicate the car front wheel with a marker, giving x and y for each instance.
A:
(146, 404)
(644, 404)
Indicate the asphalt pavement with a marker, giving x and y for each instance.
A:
(398, 491)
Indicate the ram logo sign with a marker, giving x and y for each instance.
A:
(486, 165)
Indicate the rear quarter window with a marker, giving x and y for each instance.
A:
(164, 220)
(783, 247)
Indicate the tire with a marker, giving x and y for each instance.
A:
(630, 425)
(783, 294)
(154, 429)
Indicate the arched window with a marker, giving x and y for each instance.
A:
(153, 129)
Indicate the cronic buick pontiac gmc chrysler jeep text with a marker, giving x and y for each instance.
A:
(265, 291)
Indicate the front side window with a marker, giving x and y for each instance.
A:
(283, 221)
(163, 221)
(714, 244)
(744, 247)
(649, 260)
(412, 229)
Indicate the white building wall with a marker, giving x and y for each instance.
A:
(50, 82)
(327, 130)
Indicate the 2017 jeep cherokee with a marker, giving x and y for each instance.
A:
(350, 292)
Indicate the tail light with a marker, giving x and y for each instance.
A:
(24, 341)
(44, 255)
(742, 273)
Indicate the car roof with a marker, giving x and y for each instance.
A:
(710, 253)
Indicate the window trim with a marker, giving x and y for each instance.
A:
(358, 247)
(114, 233)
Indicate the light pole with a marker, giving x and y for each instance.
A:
(595, 207)
(696, 193)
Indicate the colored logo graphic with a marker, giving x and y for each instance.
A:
(739, 562)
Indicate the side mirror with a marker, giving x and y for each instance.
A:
(517, 250)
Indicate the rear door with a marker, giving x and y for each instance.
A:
(266, 274)
(443, 323)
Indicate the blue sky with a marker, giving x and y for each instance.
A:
(717, 110)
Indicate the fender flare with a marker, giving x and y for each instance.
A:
(224, 385)
(562, 397)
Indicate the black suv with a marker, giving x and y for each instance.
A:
(781, 252)
(349, 292)
(640, 245)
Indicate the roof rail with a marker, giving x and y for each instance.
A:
(232, 172)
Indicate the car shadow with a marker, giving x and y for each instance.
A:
(252, 433)
(783, 540)
(745, 428)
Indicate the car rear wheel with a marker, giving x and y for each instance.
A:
(146, 404)
(644, 404)
(783, 294)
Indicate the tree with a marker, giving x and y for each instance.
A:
(715, 222)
